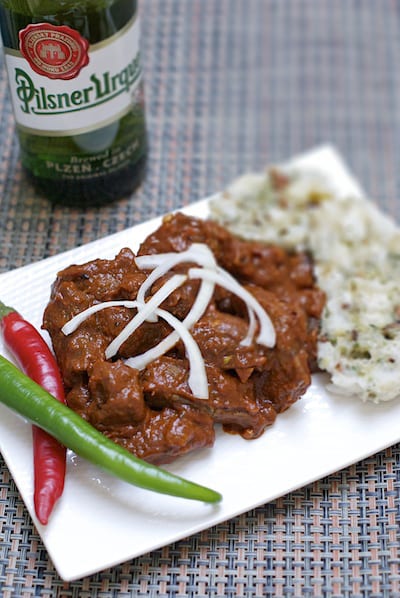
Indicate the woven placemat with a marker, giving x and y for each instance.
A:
(232, 85)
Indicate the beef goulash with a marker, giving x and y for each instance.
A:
(157, 408)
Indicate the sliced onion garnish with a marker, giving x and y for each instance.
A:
(197, 253)
(252, 327)
(77, 320)
(267, 335)
(145, 310)
(200, 305)
(140, 362)
(210, 274)
(197, 371)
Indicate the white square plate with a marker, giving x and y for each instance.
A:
(100, 521)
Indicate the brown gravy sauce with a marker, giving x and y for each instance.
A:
(152, 412)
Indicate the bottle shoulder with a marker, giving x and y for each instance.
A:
(94, 20)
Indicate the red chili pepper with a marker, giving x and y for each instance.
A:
(35, 359)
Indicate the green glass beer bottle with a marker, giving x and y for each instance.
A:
(77, 92)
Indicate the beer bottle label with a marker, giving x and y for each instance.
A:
(61, 86)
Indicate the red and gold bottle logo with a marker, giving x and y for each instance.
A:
(54, 52)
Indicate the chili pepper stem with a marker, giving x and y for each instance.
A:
(5, 310)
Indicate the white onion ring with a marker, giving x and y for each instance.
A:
(148, 308)
(267, 335)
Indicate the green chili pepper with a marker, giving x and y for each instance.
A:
(30, 400)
